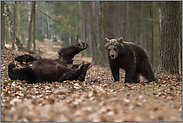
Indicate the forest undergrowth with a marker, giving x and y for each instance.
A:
(97, 99)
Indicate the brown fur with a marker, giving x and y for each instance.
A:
(130, 57)
(36, 70)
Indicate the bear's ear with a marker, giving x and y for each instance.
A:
(107, 40)
(120, 40)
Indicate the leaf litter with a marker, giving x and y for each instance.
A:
(97, 99)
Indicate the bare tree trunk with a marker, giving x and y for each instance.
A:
(102, 34)
(81, 13)
(170, 37)
(95, 18)
(150, 46)
(77, 39)
(34, 24)
(92, 32)
(180, 43)
(143, 13)
(14, 27)
(2, 23)
(30, 28)
(125, 24)
(145, 25)
(6, 31)
(11, 23)
(88, 30)
(18, 19)
(48, 28)
(109, 19)
(66, 39)
(156, 33)
(23, 27)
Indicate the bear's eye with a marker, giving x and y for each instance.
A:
(115, 49)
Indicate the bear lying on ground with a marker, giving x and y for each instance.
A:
(35, 70)
(130, 57)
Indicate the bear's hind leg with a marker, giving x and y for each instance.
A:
(26, 74)
(148, 73)
(136, 78)
(130, 72)
(25, 58)
(129, 76)
(67, 54)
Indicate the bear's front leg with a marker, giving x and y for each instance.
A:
(136, 78)
(115, 73)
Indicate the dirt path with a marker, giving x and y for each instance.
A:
(97, 99)
(49, 48)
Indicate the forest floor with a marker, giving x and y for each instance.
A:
(97, 99)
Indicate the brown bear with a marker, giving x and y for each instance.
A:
(33, 70)
(130, 57)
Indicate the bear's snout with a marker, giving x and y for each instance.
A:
(112, 55)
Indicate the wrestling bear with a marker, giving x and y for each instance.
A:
(130, 57)
(34, 70)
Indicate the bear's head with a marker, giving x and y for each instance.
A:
(113, 47)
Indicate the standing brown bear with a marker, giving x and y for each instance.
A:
(130, 57)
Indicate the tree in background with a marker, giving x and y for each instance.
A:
(170, 37)
(156, 32)
(2, 23)
(82, 19)
(125, 20)
(110, 19)
(29, 44)
(34, 25)
(14, 25)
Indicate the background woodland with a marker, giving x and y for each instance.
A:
(41, 28)
(155, 26)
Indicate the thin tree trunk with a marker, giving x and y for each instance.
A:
(150, 46)
(23, 27)
(145, 26)
(14, 27)
(180, 44)
(30, 28)
(156, 33)
(87, 22)
(48, 28)
(18, 19)
(81, 13)
(125, 24)
(2, 23)
(77, 39)
(66, 39)
(6, 31)
(110, 20)
(92, 32)
(34, 24)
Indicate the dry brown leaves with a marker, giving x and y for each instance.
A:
(97, 99)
